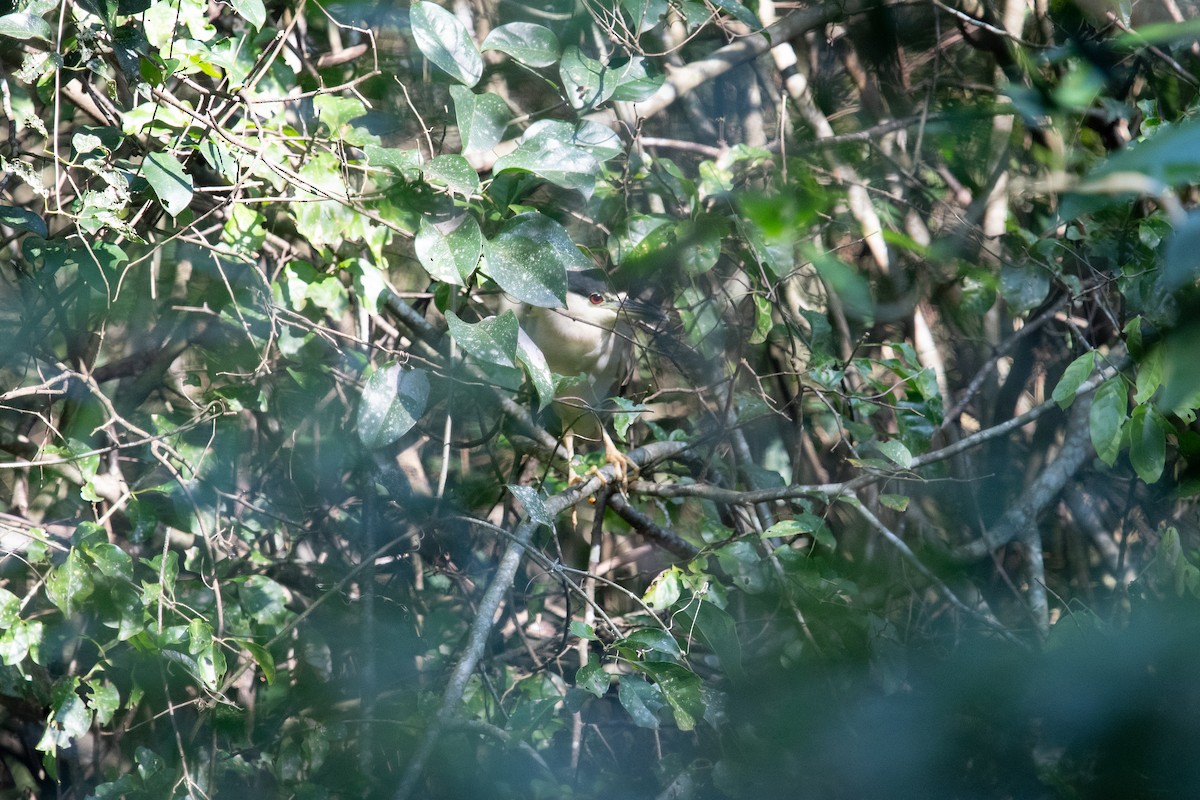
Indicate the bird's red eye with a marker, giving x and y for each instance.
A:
(595, 298)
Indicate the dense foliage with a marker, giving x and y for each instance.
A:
(282, 504)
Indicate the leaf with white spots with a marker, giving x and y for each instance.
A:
(492, 340)
(393, 399)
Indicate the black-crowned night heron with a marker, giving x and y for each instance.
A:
(591, 338)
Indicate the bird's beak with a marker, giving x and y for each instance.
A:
(641, 311)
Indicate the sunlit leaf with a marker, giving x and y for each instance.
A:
(532, 502)
(739, 12)
(263, 658)
(583, 630)
(170, 183)
(681, 689)
(450, 250)
(393, 399)
(253, 11)
(592, 678)
(104, 700)
(586, 82)
(454, 172)
(481, 118)
(527, 42)
(664, 590)
(493, 339)
(22, 25)
(634, 82)
(1073, 377)
(111, 560)
(445, 42)
(70, 583)
(530, 257)
(1149, 376)
(537, 368)
(549, 156)
(896, 452)
(640, 699)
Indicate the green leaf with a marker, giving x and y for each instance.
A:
(896, 452)
(532, 502)
(847, 282)
(1106, 417)
(69, 717)
(253, 11)
(393, 399)
(449, 251)
(104, 700)
(454, 172)
(1023, 288)
(170, 183)
(1181, 380)
(549, 156)
(625, 413)
(404, 162)
(10, 609)
(537, 368)
(599, 140)
(264, 600)
(100, 267)
(718, 631)
(739, 12)
(664, 591)
(645, 14)
(336, 112)
(262, 657)
(592, 678)
(445, 42)
(586, 81)
(25, 26)
(244, 231)
(481, 118)
(801, 524)
(531, 44)
(583, 631)
(529, 259)
(681, 689)
(652, 639)
(1149, 376)
(70, 583)
(493, 340)
(20, 219)
(200, 636)
(110, 560)
(149, 762)
(896, 502)
(634, 83)
(22, 639)
(1148, 442)
(640, 699)
(1073, 377)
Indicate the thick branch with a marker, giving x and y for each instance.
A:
(1021, 520)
